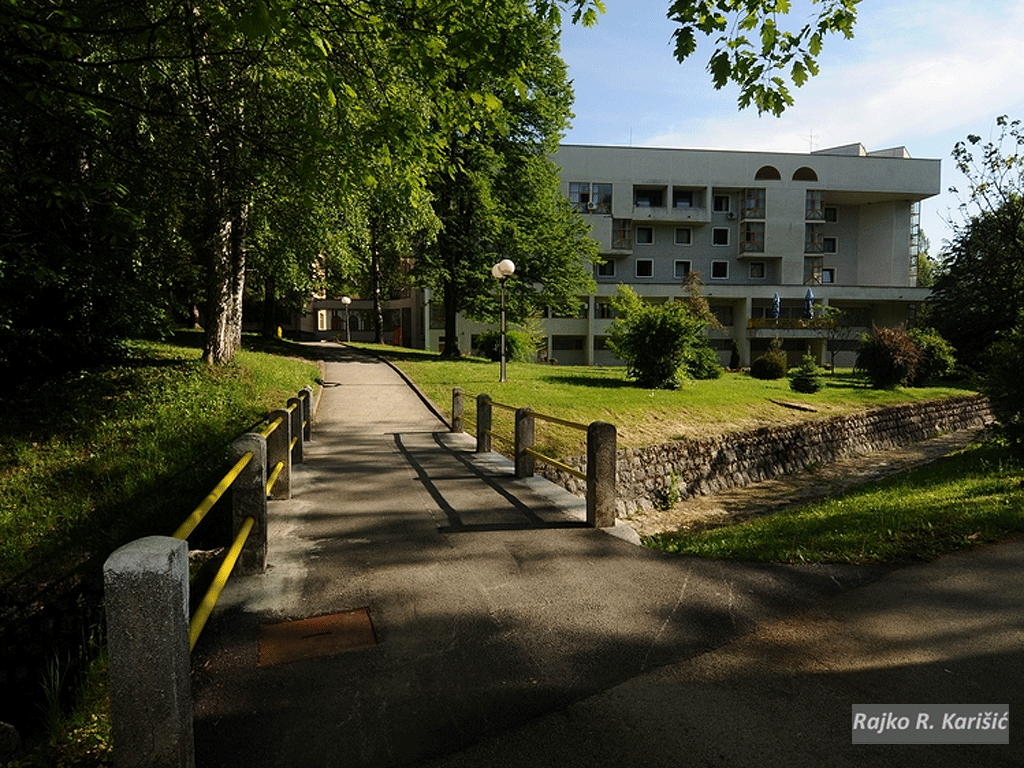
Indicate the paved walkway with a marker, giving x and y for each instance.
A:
(507, 633)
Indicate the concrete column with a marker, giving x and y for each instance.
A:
(249, 499)
(483, 423)
(146, 592)
(306, 395)
(279, 451)
(458, 409)
(296, 429)
(524, 439)
(601, 455)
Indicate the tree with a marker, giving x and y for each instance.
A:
(655, 340)
(1004, 384)
(497, 193)
(979, 292)
(753, 50)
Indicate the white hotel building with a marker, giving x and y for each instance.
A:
(840, 222)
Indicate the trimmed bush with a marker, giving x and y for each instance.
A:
(771, 365)
(808, 378)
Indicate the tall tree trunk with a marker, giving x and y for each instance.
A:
(376, 280)
(451, 338)
(225, 286)
(269, 321)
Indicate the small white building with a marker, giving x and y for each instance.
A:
(842, 223)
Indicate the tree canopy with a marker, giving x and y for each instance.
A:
(158, 157)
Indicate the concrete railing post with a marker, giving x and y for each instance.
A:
(296, 431)
(483, 423)
(524, 439)
(601, 452)
(249, 499)
(458, 409)
(279, 451)
(306, 395)
(146, 591)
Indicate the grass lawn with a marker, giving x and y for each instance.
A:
(91, 460)
(642, 417)
(971, 497)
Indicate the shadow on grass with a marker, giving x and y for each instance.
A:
(585, 380)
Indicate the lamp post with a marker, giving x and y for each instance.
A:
(500, 271)
(348, 330)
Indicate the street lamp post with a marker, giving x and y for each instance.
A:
(348, 330)
(500, 271)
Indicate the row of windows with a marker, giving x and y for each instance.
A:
(815, 272)
(752, 237)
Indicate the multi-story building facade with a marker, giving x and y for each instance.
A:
(841, 223)
(833, 228)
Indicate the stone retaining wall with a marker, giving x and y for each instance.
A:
(704, 466)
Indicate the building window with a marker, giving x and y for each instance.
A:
(768, 173)
(646, 197)
(681, 269)
(684, 236)
(321, 319)
(644, 235)
(621, 236)
(721, 204)
(645, 267)
(815, 205)
(601, 343)
(812, 270)
(831, 214)
(606, 269)
(828, 275)
(567, 343)
(723, 314)
(682, 198)
(719, 270)
(829, 245)
(757, 270)
(753, 237)
(720, 236)
(753, 203)
(805, 174)
(814, 238)
(603, 310)
(586, 197)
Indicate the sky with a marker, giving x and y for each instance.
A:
(922, 74)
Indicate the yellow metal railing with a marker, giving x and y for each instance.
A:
(212, 595)
(183, 531)
(211, 498)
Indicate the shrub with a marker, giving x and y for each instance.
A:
(654, 340)
(772, 364)
(1004, 385)
(888, 357)
(519, 346)
(702, 362)
(808, 378)
(937, 356)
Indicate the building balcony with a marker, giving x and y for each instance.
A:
(673, 215)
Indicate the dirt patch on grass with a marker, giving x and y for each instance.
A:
(818, 482)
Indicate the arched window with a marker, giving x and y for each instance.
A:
(768, 173)
(805, 174)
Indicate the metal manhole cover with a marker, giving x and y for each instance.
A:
(318, 636)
